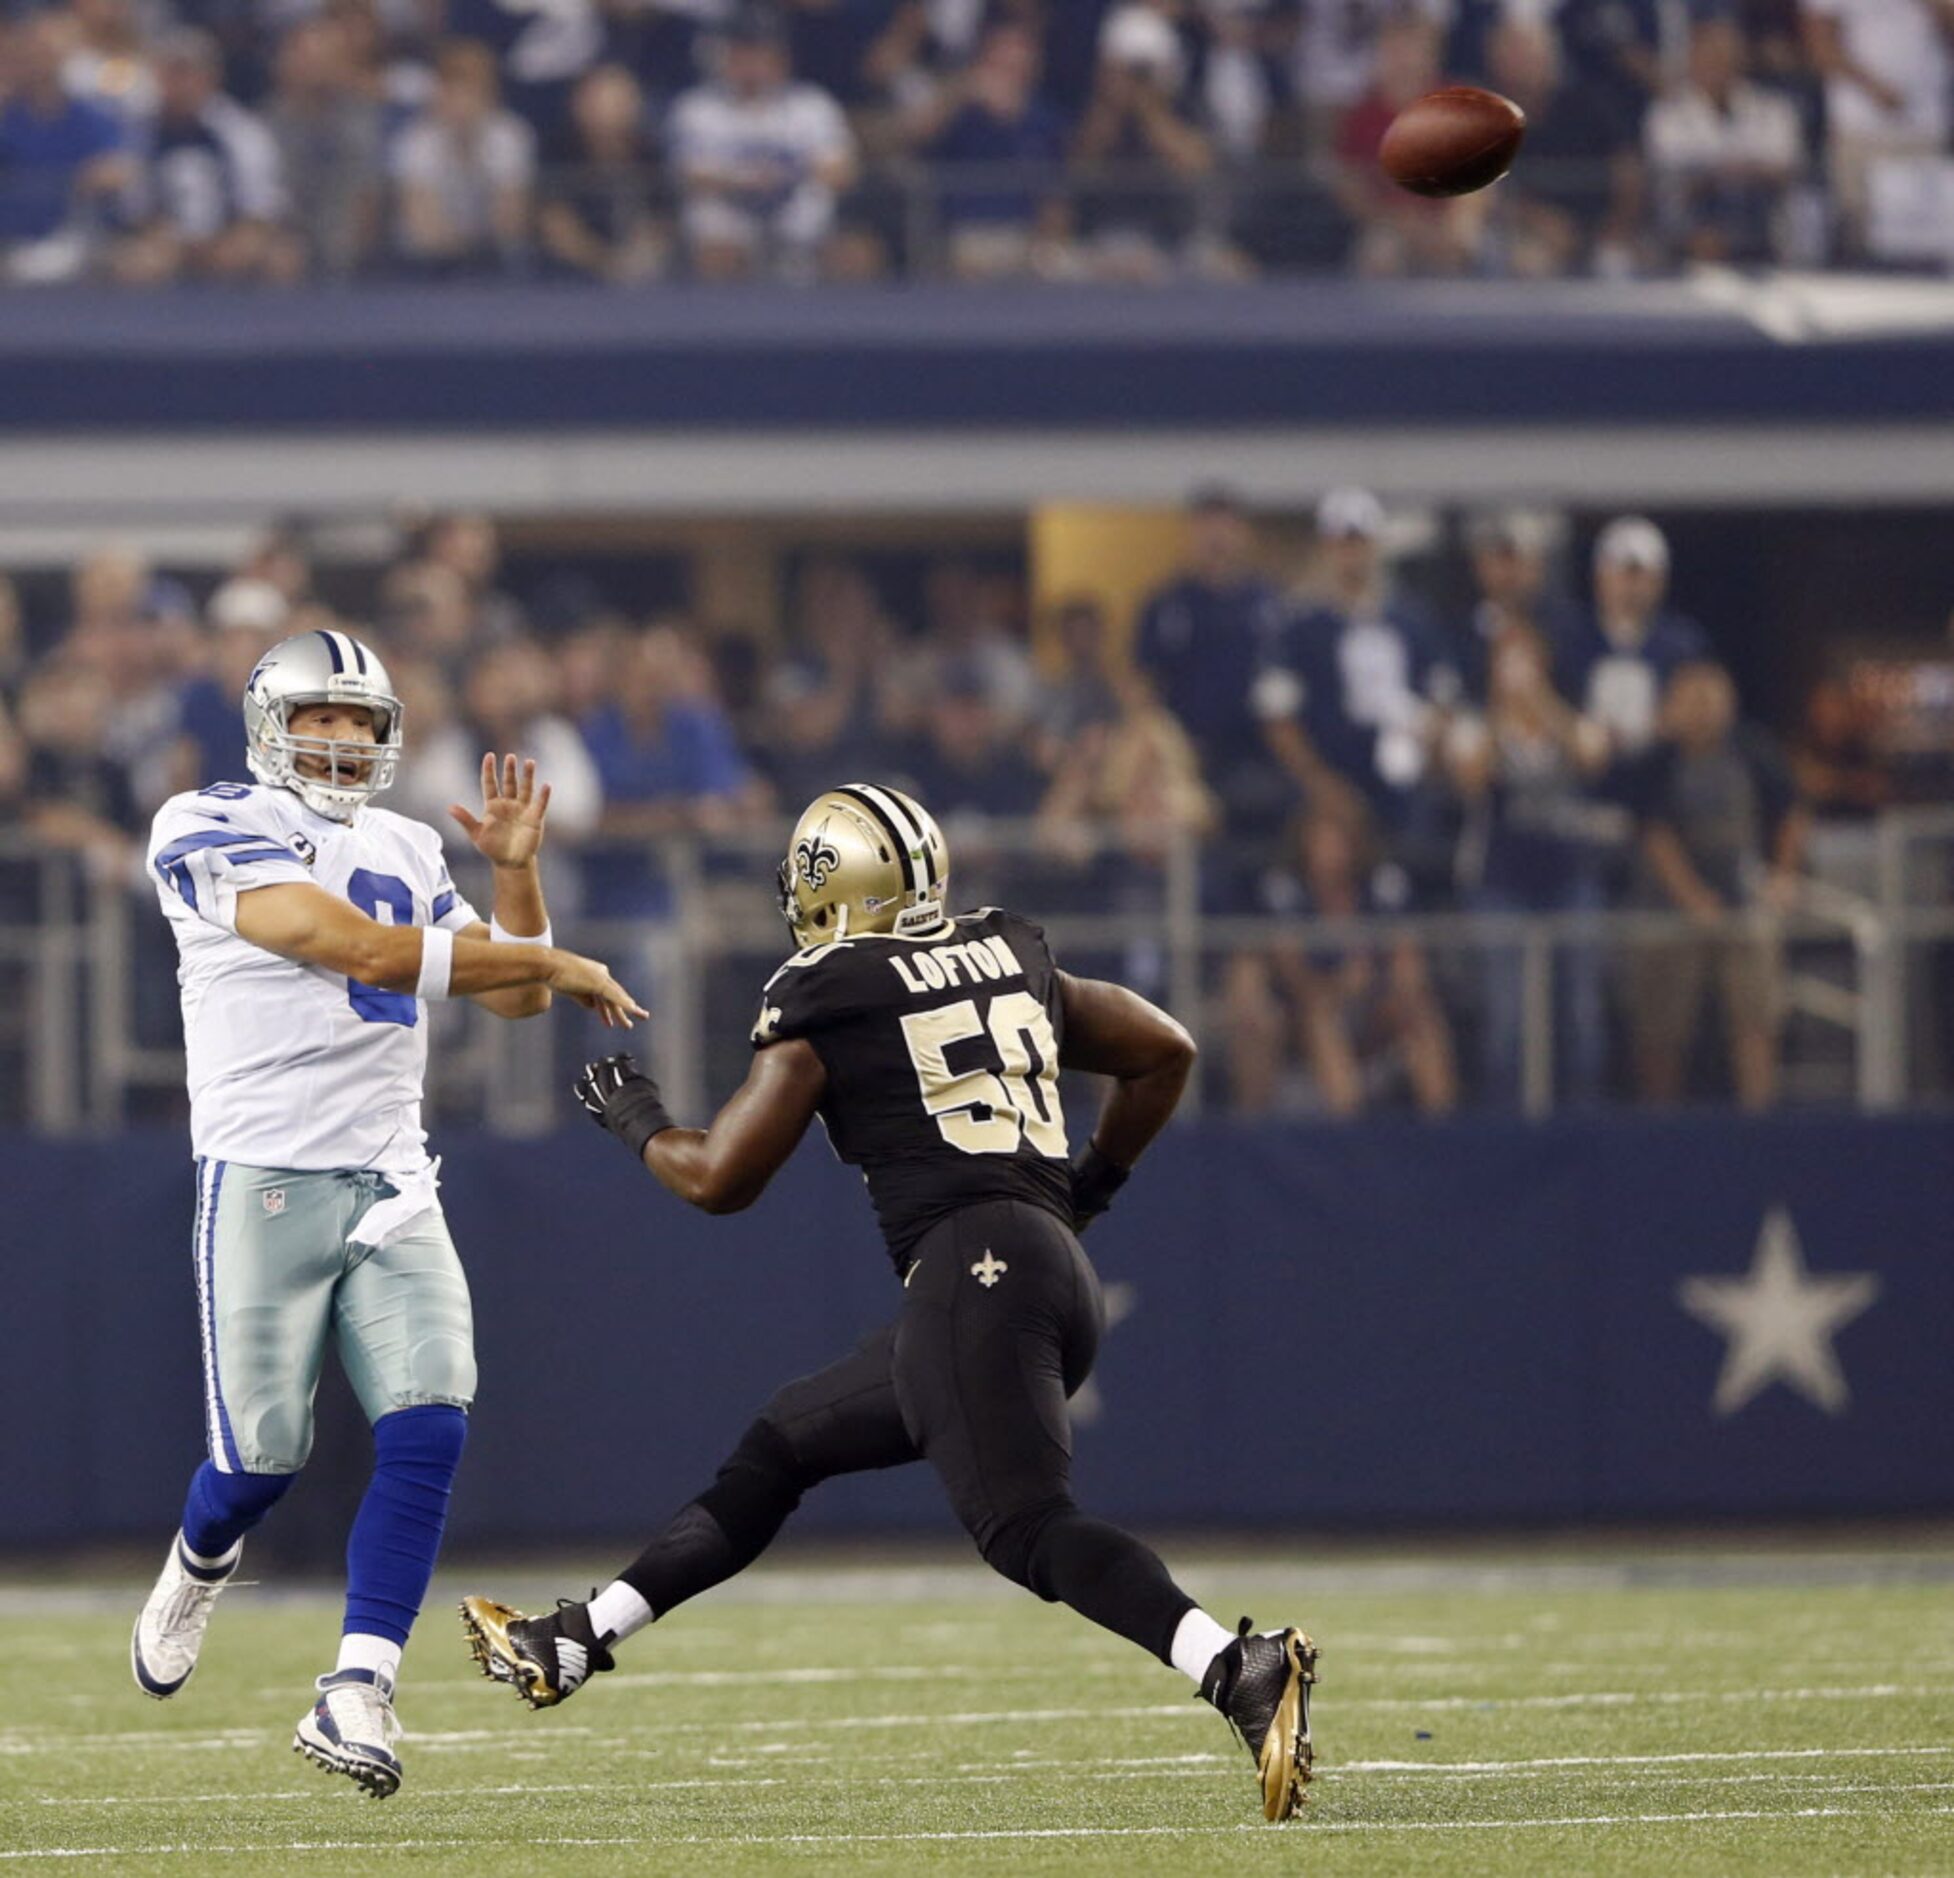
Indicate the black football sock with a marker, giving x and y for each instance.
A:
(1104, 1574)
(725, 1529)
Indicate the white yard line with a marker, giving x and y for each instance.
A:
(1625, 1698)
(973, 1718)
(1314, 1828)
(475, 1796)
(1632, 1760)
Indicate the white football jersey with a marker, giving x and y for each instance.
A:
(793, 129)
(291, 1065)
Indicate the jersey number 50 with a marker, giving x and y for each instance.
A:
(1021, 1095)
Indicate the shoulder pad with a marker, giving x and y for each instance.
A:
(802, 996)
(244, 806)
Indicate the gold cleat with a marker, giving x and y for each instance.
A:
(1286, 1753)
(1261, 1683)
(546, 1660)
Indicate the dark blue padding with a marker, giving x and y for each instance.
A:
(932, 358)
(1481, 1318)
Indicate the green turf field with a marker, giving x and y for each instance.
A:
(1761, 1711)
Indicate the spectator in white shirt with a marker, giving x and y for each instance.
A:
(1887, 68)
(760, 160)
(212, 189)
(1722, 152)
(465, 170)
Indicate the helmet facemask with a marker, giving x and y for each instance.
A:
(352, 769)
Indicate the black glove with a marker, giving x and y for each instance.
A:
(1095, 1180)
(618, 1095)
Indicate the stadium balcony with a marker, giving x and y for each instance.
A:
(91, 1040)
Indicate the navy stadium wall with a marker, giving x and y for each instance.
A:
(1470, 1322)
(401, 359)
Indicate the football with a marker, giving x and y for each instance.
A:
(1451, 142)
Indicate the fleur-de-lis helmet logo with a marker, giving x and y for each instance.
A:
(817, 859)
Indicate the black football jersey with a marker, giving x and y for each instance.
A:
(942, 1061)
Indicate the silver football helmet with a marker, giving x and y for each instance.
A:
(322, 668)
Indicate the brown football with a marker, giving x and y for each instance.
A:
(1451, 142)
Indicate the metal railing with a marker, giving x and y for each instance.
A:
(88, 1038)
(1283, 217)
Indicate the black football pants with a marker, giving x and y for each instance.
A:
(1000, 1323)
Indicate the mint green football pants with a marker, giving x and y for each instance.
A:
(278, 1275)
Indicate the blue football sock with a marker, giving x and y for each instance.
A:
(221, 1508)
(390, 1556)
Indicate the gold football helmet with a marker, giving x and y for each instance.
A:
(863, 859)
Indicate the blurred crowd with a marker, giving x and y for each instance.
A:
(1569, 744)
(144, 141)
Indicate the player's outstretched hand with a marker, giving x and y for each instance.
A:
(618, 1096)
(591, 985)
(509, 830)
(597, 1082)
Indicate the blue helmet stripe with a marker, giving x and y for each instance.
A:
(332, 646)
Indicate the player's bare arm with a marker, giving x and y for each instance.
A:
(1110, 1031)
(304, 922)
(508, 834)
(724, 1168)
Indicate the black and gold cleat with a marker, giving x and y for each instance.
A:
(546, 1660)
(1261, 1683)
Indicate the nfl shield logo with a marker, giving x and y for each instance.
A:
(274, 1199)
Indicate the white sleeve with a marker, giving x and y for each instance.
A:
(509, 153)
(258, 169)
(447, 907)
(691, 129)
(1782, 138)
(417, 154)
(828, 134)
(204, 854)
(1664, 136)
(1276, 693)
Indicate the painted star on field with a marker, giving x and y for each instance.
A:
(1780, 1320)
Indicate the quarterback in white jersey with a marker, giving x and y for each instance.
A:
(312, 930)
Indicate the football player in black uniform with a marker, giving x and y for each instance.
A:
(931, 1047)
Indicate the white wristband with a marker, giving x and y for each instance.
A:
(437, 962)
(504, 937)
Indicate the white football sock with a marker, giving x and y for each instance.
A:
(380, 1654)
(617, 1611)
(1198, 1640)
